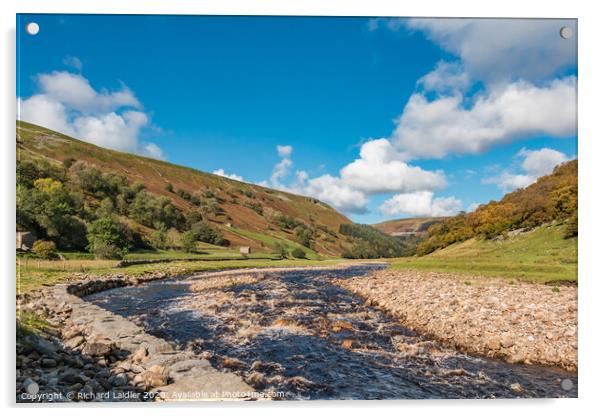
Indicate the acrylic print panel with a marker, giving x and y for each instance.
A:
(287, 208)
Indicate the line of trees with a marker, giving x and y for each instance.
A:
(370, 243)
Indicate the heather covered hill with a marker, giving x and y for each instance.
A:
(158, 201)
(407, 226)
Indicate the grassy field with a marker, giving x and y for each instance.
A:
(30, 277)
(542, 255)
(271, 241)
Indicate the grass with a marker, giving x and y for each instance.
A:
(31, 323)
(542, 255)
(30, 278)
(271, 241)
(204, 254)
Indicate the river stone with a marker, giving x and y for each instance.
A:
(156, 376)
(98, 347)
(140, 354)
(74, 342)
(507, 341)
(118, 380)
(494, 343)
(48, 363)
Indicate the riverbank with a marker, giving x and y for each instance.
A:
(502, 318)
(30, 277)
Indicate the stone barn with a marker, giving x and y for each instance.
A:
(245, 250)
(25, 240)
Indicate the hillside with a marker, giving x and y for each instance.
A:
(407, 226)
(542, 255)
(552, 199)
(131, 186)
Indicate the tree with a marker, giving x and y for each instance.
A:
(108, 238)
(159, 236)
(189, 241)
(304, 235)
(280, 250)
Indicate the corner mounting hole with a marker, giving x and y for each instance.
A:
(32, 28)
(566, 32)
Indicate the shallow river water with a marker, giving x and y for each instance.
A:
(298, 333)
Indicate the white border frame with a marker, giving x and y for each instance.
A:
(589, 144)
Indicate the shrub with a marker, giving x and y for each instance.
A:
(298, 253)
(169, 188)
(45, 249)
(108, 238)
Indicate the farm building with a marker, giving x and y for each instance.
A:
(245, 250)
(25, 240)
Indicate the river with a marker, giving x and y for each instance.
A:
(297, 333)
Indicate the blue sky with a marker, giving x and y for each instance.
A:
(381, 118)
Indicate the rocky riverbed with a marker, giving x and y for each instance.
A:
(516, 321)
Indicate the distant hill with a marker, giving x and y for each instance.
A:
(551, 199)
(132, 186)
(407, 226)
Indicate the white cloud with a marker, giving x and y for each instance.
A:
(44, 111)
(536, 163)
(67, 103)
(420, 203)
(234, 176)
(447, 77)
(443, 126)
(541, 162)
(154, 151)
(499, 50)
(508, 181)
(284, 151)
(379, 170)
(334, 192)
(74, 62)
(75, 91)
(281, 170)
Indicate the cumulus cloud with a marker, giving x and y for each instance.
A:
(443, 126)
(334, 192)
(221, 172)
(67, 103)
(541, 162)
(421, 203)
(75, 91)
(499, 50)
(379, 170)
(447, 77)
(535, 163)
